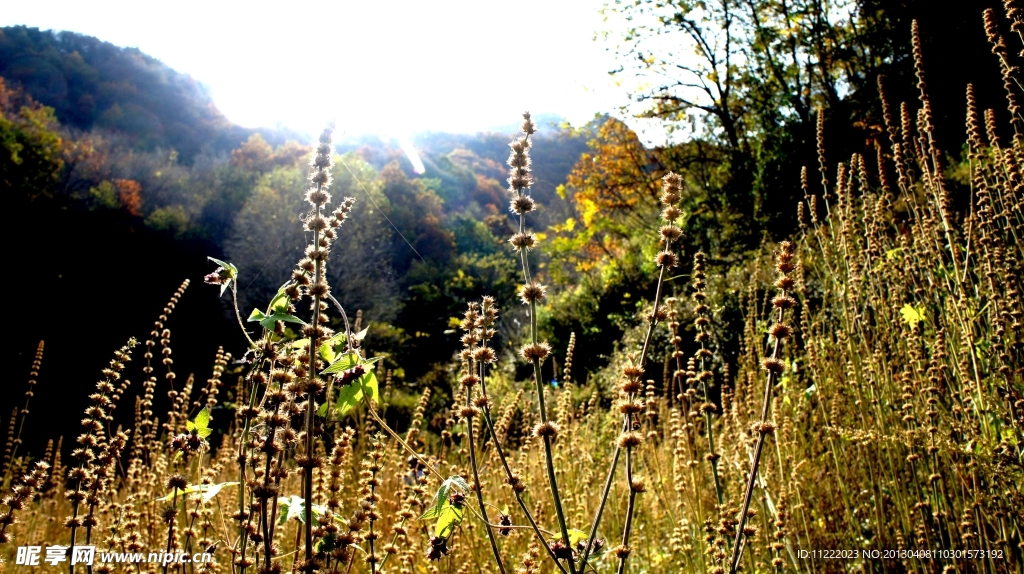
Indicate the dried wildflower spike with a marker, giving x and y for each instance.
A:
(1008, 70)
(14, 440)
(822, 165)
(702, 372)
(520, 179)
(672, 189)
(774, 366)
(21, 493)
(567, 371)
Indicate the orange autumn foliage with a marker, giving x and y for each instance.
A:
(129, 192)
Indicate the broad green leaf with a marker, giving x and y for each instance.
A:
(280, 301)
(441, 498)
(291, 507)
(348, 397)
(268, 321)
(912, 316)
(448, 520)
(207, 491)
(343, 363)
(327, 349)
(202, 419)
(575, 536)
(346, 362)
(256, 315)
(369, 385)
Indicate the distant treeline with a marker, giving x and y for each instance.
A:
(94, 84)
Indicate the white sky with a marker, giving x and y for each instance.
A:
(385, 67)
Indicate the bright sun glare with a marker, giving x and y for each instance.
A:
(388, 68)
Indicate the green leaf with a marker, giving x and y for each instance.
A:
(232, 273)
(202, 419)
(575, 536)
(369, 386)
(291, 507)
(912, 316)
(441, 498)
(280, 301)
(329, 349)
(207, 491)
(343, 363)
(346, 362)
(268, 321)
(348, 397)
(448, 520)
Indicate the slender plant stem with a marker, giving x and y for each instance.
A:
(625, 425)
(549, 458)
(307, 476)
(752, 479)
(478, 489)
(600, 509)
(629, 509)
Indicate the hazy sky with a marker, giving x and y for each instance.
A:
(373, 66)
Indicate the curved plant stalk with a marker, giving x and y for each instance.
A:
(238, 316)
(774, 366)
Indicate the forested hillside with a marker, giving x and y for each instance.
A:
(138, 177)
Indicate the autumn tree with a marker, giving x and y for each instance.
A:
(30, 147)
